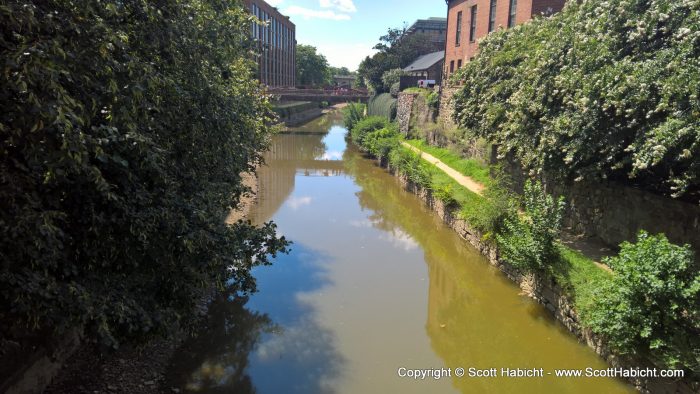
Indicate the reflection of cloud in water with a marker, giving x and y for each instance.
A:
(400, 239)
(332, 155)
(304, 343)
(361, 223)
(298, 202)
(300, 356)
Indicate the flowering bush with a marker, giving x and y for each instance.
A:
(601, 90)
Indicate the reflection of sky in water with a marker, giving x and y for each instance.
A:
(335, 144)
(300, 356)
(298, 202)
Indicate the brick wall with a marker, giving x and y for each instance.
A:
(467, 49)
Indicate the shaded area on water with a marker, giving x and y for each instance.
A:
(374, 282)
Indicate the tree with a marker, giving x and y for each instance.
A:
(312, 67)
(125, 128)
(397, 49)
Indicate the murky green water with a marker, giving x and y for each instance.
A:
(375, 282)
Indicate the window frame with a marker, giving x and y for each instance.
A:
(472, 23)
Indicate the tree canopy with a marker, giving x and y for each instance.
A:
(312, 67)
(396, 49)
(125, 128)
(601, 90)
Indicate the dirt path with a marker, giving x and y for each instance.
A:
(463, 180)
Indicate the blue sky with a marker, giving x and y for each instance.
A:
(346, 30)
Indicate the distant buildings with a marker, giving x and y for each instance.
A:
(435, 28)
(277, 44)
(427, 67)
(469, 20)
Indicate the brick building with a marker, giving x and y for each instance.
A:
(435, 28)
(277, 44)
(470, 20)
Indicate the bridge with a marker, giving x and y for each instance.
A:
(331, 95)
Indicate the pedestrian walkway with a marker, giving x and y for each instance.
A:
(463, 180)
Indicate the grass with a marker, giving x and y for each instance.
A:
(422, 91)
(474, 169)
(462, 195)
(579, 276)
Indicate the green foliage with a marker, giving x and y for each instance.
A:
(392, 77)
(433, 100)
(603, 89)
(395, 89)
(528, 242)
(353, 113)
(125, 126)
(490, 213)
(652, 303)
(412, 166)
(380, 142)
(366, 126)
(469, 167)
(312, 67)
(382, 105)
(396, 50)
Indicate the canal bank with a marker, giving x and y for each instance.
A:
(375, 282)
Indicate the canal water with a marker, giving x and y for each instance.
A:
(375, 282)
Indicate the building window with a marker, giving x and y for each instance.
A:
(472, 24)
(452, 66)
(459, 64)
(512, 12)
(459, 28)
(492, 16)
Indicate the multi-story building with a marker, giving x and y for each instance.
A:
(435, 28)
(470, 20)
(277, 44)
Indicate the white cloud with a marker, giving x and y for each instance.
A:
(307, 13)
(340, 5)
(340, 54)
(274, 3)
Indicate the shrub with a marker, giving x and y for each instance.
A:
(125, 126)
(433, 100)
(395, 89)
(353, 113)
(603, 89)
(528, 242)
(380, 142)
(488, 216)
(652, 303)
(444, 193)
(410, 164)
(392, 77)
(366, 126)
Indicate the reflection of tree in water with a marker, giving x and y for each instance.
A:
(216, 360)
